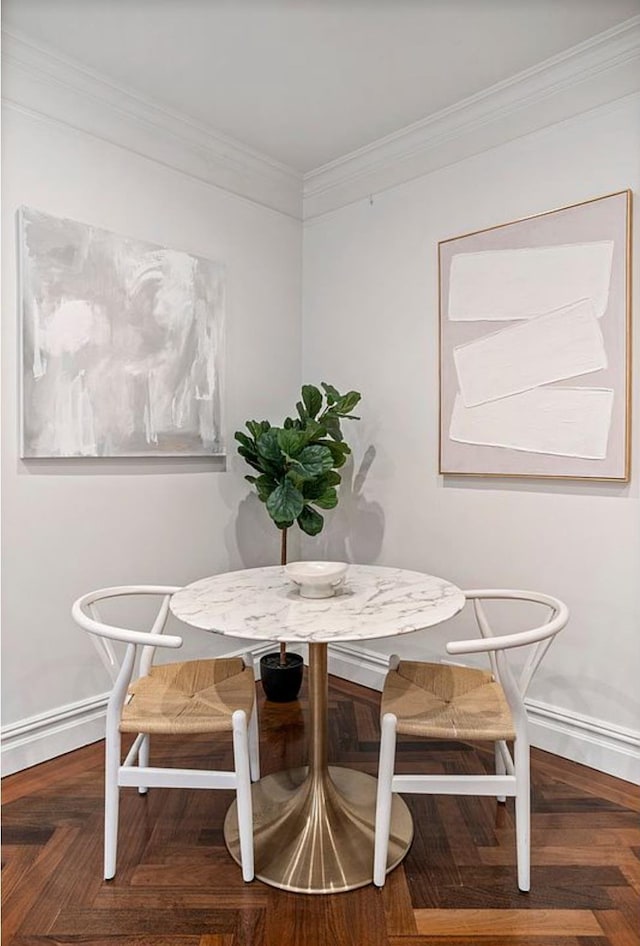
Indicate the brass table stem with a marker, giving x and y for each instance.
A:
(318, 708)
(314, 827)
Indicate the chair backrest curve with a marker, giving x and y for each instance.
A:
(492, 642)
(151, 638)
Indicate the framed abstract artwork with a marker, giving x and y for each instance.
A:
(535, 357)
(122, 344)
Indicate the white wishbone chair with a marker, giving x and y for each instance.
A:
(445, 701)
(196, 696)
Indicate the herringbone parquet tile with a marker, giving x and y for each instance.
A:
(177, 886)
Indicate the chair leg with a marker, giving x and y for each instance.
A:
(143, 761)
(243, 793)
(384, 798)
(254, 745)
(111, 800)
(501, 768)
(523, 812)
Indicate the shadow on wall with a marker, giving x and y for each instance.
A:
(257, 538)
(355, 530)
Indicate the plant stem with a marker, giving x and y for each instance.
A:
(283, 561)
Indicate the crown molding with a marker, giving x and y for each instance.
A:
(594, 73)
(45, 84)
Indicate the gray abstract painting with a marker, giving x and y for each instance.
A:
(122, 344)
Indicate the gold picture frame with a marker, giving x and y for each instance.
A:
(535, 345)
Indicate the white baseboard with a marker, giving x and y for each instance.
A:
(582, 739)
(611, 749)
(53, 733)
(366, 667)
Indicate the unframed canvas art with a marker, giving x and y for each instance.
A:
(534, 345)
(122, 344)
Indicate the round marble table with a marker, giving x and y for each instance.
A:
(314, 826)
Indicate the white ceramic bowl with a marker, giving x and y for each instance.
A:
(317, 579)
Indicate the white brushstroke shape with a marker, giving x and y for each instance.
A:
(73, 415)
(565, 344)
(499, 285)
(569, 422)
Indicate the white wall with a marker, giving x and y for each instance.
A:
(72, 525)
(371, 323)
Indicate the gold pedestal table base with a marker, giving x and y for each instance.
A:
(315, 835)
(314, 827)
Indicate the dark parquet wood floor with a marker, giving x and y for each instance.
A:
(176, 885)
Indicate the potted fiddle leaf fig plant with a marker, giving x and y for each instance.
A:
(297, 475)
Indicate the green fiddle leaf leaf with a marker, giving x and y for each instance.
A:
(284, 525)
(274, 470)
(251, 458)
(332, 422)
(315, 488)
(265, 485)
(251, 479)
(347, 403)
(291, 442)
(254, 427)
(338, 451)
(285, 502)
(310, 521)
(312, 399)
(314, 431)
(328, 500)
(313, 461)
(342, 445)
(295, 477)
(268, 446)
(302, 412)
(288, 423)
(245, 441)
(332, 394)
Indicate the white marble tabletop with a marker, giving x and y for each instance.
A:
(263, 604)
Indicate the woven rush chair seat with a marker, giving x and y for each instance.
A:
(439, 701)
(197, 696)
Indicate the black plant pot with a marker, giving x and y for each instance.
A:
(281, 683)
